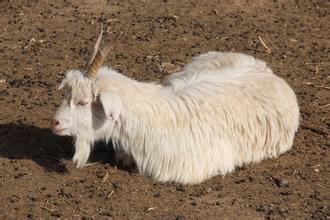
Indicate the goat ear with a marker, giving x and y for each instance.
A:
(111, 104)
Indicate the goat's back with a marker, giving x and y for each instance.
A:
(238, 112)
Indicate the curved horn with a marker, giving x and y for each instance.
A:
(92, 58)
(97, 61)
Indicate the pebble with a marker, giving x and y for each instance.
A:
(208, 190)
(281, 182)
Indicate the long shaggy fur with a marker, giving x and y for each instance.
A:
(223, 110)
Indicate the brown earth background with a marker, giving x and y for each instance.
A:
(40, 40)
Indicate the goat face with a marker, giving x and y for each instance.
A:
(80, 112)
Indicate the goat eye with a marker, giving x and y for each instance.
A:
(82, 102)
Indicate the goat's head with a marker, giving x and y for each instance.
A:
(83, 110)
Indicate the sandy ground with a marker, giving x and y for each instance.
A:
(40, 40)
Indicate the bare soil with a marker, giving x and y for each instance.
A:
(40, 40)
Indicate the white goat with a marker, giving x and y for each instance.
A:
(222, 111)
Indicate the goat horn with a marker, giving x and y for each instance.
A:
(97, 61)
(94, 53)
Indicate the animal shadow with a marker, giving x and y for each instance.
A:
(20, 141)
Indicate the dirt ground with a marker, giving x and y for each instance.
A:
(40, 40)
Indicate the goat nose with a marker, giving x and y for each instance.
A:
(55, 122)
